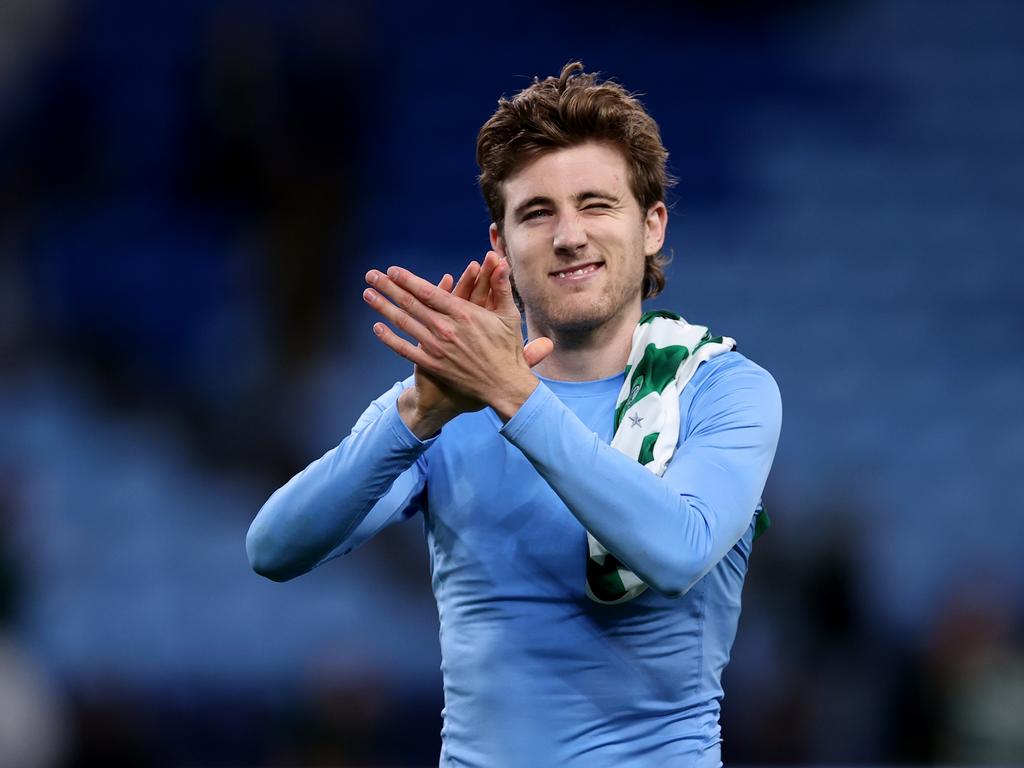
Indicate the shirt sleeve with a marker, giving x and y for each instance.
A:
(673, 529)
(373, 478)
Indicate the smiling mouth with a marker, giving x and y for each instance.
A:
(579, 272)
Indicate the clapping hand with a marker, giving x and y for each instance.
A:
(469, 352)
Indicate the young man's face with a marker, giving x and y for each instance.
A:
(577, 239)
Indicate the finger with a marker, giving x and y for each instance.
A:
(537, 349)
(406, 301)
(401, 320)
(423, 291)
(501, 291)
(483, 280)
(446, 283)
(402, 347)
(466, 282)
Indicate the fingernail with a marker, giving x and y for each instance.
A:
(392, 272)
(378, 328)
(368, 295)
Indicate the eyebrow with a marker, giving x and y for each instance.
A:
(579, 197)
(595, 194)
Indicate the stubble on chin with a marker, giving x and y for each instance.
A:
(574, 321)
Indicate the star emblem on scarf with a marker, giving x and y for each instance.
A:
(636, 420)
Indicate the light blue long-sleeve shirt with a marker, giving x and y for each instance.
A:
(535, 673)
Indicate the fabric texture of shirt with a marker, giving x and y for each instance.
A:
(535, 673)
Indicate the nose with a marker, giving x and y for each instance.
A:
(570, 236)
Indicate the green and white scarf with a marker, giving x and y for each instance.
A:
(664, 356)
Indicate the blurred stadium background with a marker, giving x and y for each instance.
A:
(189, 196)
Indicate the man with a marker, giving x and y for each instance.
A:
(588, 593)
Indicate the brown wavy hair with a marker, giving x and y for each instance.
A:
(565, 111)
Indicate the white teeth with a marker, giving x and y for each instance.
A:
(580, 271)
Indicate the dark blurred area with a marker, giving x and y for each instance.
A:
(190, 194)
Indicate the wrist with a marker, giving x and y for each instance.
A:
(422, 422)
(507, 402)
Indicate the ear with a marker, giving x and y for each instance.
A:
(655, 225)
(497, 241)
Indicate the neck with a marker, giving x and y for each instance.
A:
(588, 354)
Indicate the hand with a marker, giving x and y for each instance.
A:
(475, 286)
(429, 404)
(463, 348)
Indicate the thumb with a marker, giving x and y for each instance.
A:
(537, 349)
(501, 291)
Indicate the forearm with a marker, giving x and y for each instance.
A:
(669, 530)
(320, 508)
